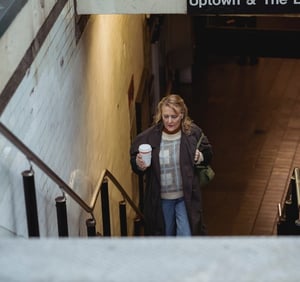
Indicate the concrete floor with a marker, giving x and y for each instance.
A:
(206, 259)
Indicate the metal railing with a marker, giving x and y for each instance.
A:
(289, 214)
(88, 207)
(297, 187)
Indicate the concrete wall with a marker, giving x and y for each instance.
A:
(131, 7)
(71, 109)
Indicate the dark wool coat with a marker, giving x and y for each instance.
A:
(153, 216)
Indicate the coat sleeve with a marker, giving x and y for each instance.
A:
(141, 138)
(133, 152)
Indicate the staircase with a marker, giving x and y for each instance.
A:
(101, 190)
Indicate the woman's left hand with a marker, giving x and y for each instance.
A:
(198, 157)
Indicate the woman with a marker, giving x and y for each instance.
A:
(172, 204)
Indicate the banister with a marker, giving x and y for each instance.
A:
(46, 169)
(297, 182)
(89, 208)
(107, 173)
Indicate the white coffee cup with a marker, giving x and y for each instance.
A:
(146, 151)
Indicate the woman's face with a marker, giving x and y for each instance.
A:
(171, 119)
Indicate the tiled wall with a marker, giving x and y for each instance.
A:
(71, 109)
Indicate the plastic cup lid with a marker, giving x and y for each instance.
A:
(145, 148)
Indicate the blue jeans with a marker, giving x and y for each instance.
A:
(176, 219)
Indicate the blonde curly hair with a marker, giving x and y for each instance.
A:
(176, 103)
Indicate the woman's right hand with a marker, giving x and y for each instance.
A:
(140, 163)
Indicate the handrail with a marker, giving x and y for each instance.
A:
(107, 173)
(297, 182)
(89, 208)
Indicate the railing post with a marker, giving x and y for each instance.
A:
(62, 220)
(137, 226)
(123, 218)
(294, 210)
(30, 203)
(91, 227)
(297, 189)
(105, 208)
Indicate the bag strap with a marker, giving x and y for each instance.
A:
(200, 140)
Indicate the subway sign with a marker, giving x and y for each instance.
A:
(243, 6)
